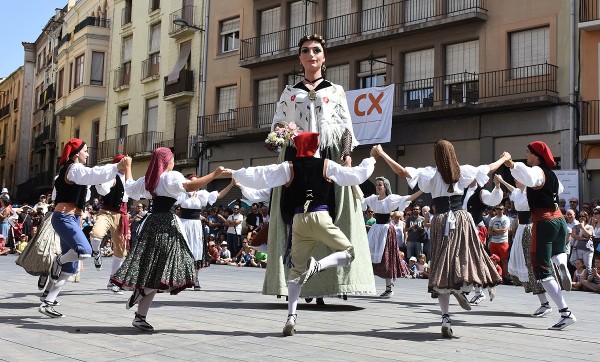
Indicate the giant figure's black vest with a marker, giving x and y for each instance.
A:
(115, 197)
(547, 196)
(69, 193)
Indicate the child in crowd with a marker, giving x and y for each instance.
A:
(107, 249)
(4, 250)
(261, 259)
(412, 266)
(579, 275)
(422, 267)
(592, 283)
(213, 252)
(23, 241)
(224, 254)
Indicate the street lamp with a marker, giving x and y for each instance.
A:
(182, 22)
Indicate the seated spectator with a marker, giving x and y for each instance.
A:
(107, 249)
(422, 267)
(412, 266)
(261, 259)
(592, 283)
(23, 241)
(245, 255)
(224, 254)
(579, 275)
(213, 252)
(4, 250)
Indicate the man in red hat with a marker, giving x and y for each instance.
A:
(112, 216)
(549, 229)
(308, 180)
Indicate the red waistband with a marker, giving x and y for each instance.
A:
(122, 209)
(545, 214)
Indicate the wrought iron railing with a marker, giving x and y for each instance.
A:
(92, 21)
(46, 135)
(186, 13)
(184, 148)
(62, 40)
(590, 118)
(238, 119)
(108, 149)
(144, 142)
(466, 87)
(589, 10)
(185, 83)
(5, 111)
(151, 67)
(379, 19)
(46, 96)
(122, 77)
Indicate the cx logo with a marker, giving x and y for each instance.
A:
(374, 104)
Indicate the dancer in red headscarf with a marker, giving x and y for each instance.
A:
(71, 188)
(161, 258)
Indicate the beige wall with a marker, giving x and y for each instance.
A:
(11, 89)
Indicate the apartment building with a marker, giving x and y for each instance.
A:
(156, 72)
(10, 110)
(38, 154)
(490, 76)
(81, 83)
(589, 128)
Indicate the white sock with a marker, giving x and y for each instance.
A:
(116, 264)
(95, 243)
(69, 256)
(542, 297)
(553, 290)
(293, 295)
(57, 287)
(339, 258)
(388, 283)
(444, 300)
(146, 301)
(197, 274)
(559, 259)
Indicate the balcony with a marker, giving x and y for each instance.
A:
(61, 42)
(467, 94)
(590, 122)
(108, 149)
(392, 20)
(46, 97)
(182, 89)
(80, 99)
(142, 144)
(246, 122)
(186, 13)
(92, 21)
(184, 149)
(122, 77)
(40, 182)
(5, 111)
(47, 136)
(151, 68)
(589, 15)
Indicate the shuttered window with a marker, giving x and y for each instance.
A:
(529, 52)
(301, 17)
(338, 25)
(339, 74)
(372, 74)
(269, 25)
(230, 35)
(462, 61)
(418, 69)
(227, 102)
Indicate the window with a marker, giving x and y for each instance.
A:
(95, 141)
(70, 77)
(269, 24)
(268, 94)
(97, 77)
(76, 132)
(126, 14)
(153, 63)
(371, 73)
(227, 102)
(297, 76)
(78, 75)
(338, 25)
(418, 79)
(126, 60)
(462, 68)
(418, 11)
(154, 5)
(14, 134)
(230, 35)
(154, 46)
(374, 17)
(123, 121)
(339, 74)
(151, 123)
(301, 17)
(60, 83)
(529, 52)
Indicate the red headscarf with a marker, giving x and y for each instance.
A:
(118, 158)
(543, 152)
(71, 149)
(158, 164)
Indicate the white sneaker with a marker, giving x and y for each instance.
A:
(542, 311)
(477, 299)
(47, 309)
(446, 326)
(564, 321)
(290, 326)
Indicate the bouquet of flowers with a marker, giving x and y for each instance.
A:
(281, 135)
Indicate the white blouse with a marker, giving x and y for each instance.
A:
(387, 205)
(531, 176)
(430, 180)
(198, 199)
(520, 199)
(170, 184)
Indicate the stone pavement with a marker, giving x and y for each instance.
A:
(230, 320)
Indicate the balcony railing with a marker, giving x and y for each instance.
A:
(184, 147)
(151, 67)
(590, 118)
(588, 10)
(5, 111)
(92, 21)
(122, 77)
(36, 181)
(386, 18)
(473, 88)
(62, 40)
(143, 143)
(186, 13)
(238, 119)
(46, 96)
(46, 135)
(108, 149)
(185, 83)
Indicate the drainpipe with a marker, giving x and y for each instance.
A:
(203, 86)
(572, 90)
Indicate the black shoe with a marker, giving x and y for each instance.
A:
(56, 268)
(140, 323)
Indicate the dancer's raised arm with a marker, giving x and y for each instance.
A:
(395, 166)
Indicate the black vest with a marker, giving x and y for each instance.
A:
(308, 184)
(69, 193)
(547, 196)
(475, 206)
(115, 197)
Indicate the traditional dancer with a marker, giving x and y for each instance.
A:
(307, 179)
(383, 243)
(112, 217)
(519, 263)
(318, 105)
(161, 259)
(71, 187)
(458, 260)
(549, 229)
(192, 225)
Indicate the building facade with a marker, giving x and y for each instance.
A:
(11, 100)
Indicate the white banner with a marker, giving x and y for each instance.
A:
(371, 112)
(570, 181)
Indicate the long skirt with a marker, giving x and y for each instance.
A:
(161, 258)
(391, 265)
(355, 279)
(459, 261)
(193, 231)
(41, 250)
(519, 263)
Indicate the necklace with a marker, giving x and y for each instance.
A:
(312, 81)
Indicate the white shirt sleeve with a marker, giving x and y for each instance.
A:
(82, 175)
(255, 195)
(491, 198)
(368, 201)
(528, 176)
(136, 189)
(349, 176)
(104, 188)
(263, 177)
